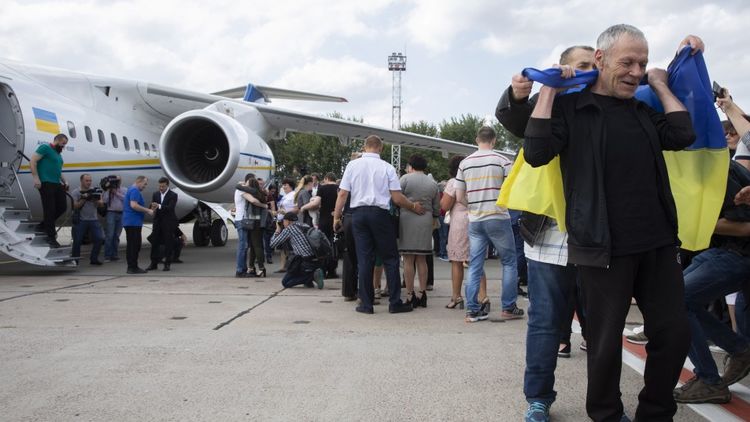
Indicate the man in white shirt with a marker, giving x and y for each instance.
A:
(373, 183)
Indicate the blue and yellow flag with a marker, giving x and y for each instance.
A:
(697, 175)
(46, 121)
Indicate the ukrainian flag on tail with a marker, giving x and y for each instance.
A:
(46, 121)
(697, 175)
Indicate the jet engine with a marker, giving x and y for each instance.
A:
(201, 152)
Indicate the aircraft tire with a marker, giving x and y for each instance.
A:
(200, 236)
(219, 233)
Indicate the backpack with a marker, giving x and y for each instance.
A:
(319, 243)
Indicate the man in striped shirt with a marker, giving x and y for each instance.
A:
(479, 178)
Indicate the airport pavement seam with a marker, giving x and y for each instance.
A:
(58, 289)
(247, 311)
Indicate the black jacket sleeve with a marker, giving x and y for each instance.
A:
(675, 129)
(514, 114)
(545, 139)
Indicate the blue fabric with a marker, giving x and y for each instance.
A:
(690, 83)
(242, 236)
(131, 217)
(95, 232)
(712, 274)
(498, 233)
(552, 77)
(549, 288)
(112, 237)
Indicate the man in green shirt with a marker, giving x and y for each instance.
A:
(46, 168)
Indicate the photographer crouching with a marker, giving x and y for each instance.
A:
(113, 196)
(86, 201)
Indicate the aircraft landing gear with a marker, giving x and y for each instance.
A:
(219, 233)
(200, 235)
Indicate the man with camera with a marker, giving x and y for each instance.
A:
(113, 196)
(86, 200)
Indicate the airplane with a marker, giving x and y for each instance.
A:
(204, 143)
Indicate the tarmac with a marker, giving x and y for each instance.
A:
(197, 344)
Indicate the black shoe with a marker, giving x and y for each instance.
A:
(177, 261)
(136, 270)
(422, 301)
(153, 266)
(564, 352)
(365, 310)
(96, 263)
(241, 275)
(400, 308)
(261, 273)
(166, 267)
(53, 243)
(521, 292)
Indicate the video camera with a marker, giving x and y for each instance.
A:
(110, 182)
(93, 194)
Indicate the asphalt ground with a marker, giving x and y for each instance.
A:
(195, 343)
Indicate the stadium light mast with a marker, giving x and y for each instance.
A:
(396, 65)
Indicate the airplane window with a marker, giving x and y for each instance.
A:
(71, 129)
(125, 143)
(137, 146)
(153, 148)
(88, 133)
(114, 140)
(146, 149)
(101, 137)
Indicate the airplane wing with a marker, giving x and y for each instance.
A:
(344, 129)
(269, 92)
(172, 102)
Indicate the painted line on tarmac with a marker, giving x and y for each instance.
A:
(738, 409)
(247, 311)
(58, 289)
(9, 262)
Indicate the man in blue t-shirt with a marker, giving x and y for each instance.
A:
(133, 212)
(46, 169)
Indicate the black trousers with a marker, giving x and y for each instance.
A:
(255, 245)
(53, 206)
(162, 237)
(133, 238)
(351, 270)
(654, 278)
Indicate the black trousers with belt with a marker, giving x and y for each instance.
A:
(654, 279)
(350, 271)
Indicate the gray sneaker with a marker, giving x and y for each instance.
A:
(737, 367)
(513, 313)
(638, 338)
(697, 391)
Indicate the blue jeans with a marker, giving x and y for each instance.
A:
(549, 290)
(374, 233)
(521, 265)
(241, 249)
(712, 274)
(113, 231)
(95, 230)
(497, 232)
(443, 231)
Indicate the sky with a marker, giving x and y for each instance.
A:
(461, 55)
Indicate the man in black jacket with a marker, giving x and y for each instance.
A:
(620, 215)
(163, 203)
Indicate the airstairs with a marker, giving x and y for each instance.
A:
(18, 236)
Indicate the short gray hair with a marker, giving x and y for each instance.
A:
(610, 35)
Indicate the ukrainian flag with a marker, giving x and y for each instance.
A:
(46, 121)
(697, 175)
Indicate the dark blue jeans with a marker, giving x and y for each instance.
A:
(97, 237)
(297, 278)
(374, 233)
(443, 231)
(549, 290)
(713, 274)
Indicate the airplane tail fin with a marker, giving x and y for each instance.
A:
(254, 93)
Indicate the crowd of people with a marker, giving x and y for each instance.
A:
(620, 245)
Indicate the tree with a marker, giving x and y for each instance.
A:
(304, 153)
(437, 165)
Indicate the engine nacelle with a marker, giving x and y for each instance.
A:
(201, 151)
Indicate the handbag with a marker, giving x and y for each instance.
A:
(248, 223)
(447, 217)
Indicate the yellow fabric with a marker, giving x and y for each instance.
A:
(698, 180)
(538, 190)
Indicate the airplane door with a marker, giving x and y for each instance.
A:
(11, 139)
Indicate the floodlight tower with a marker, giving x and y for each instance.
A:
(396, 64)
